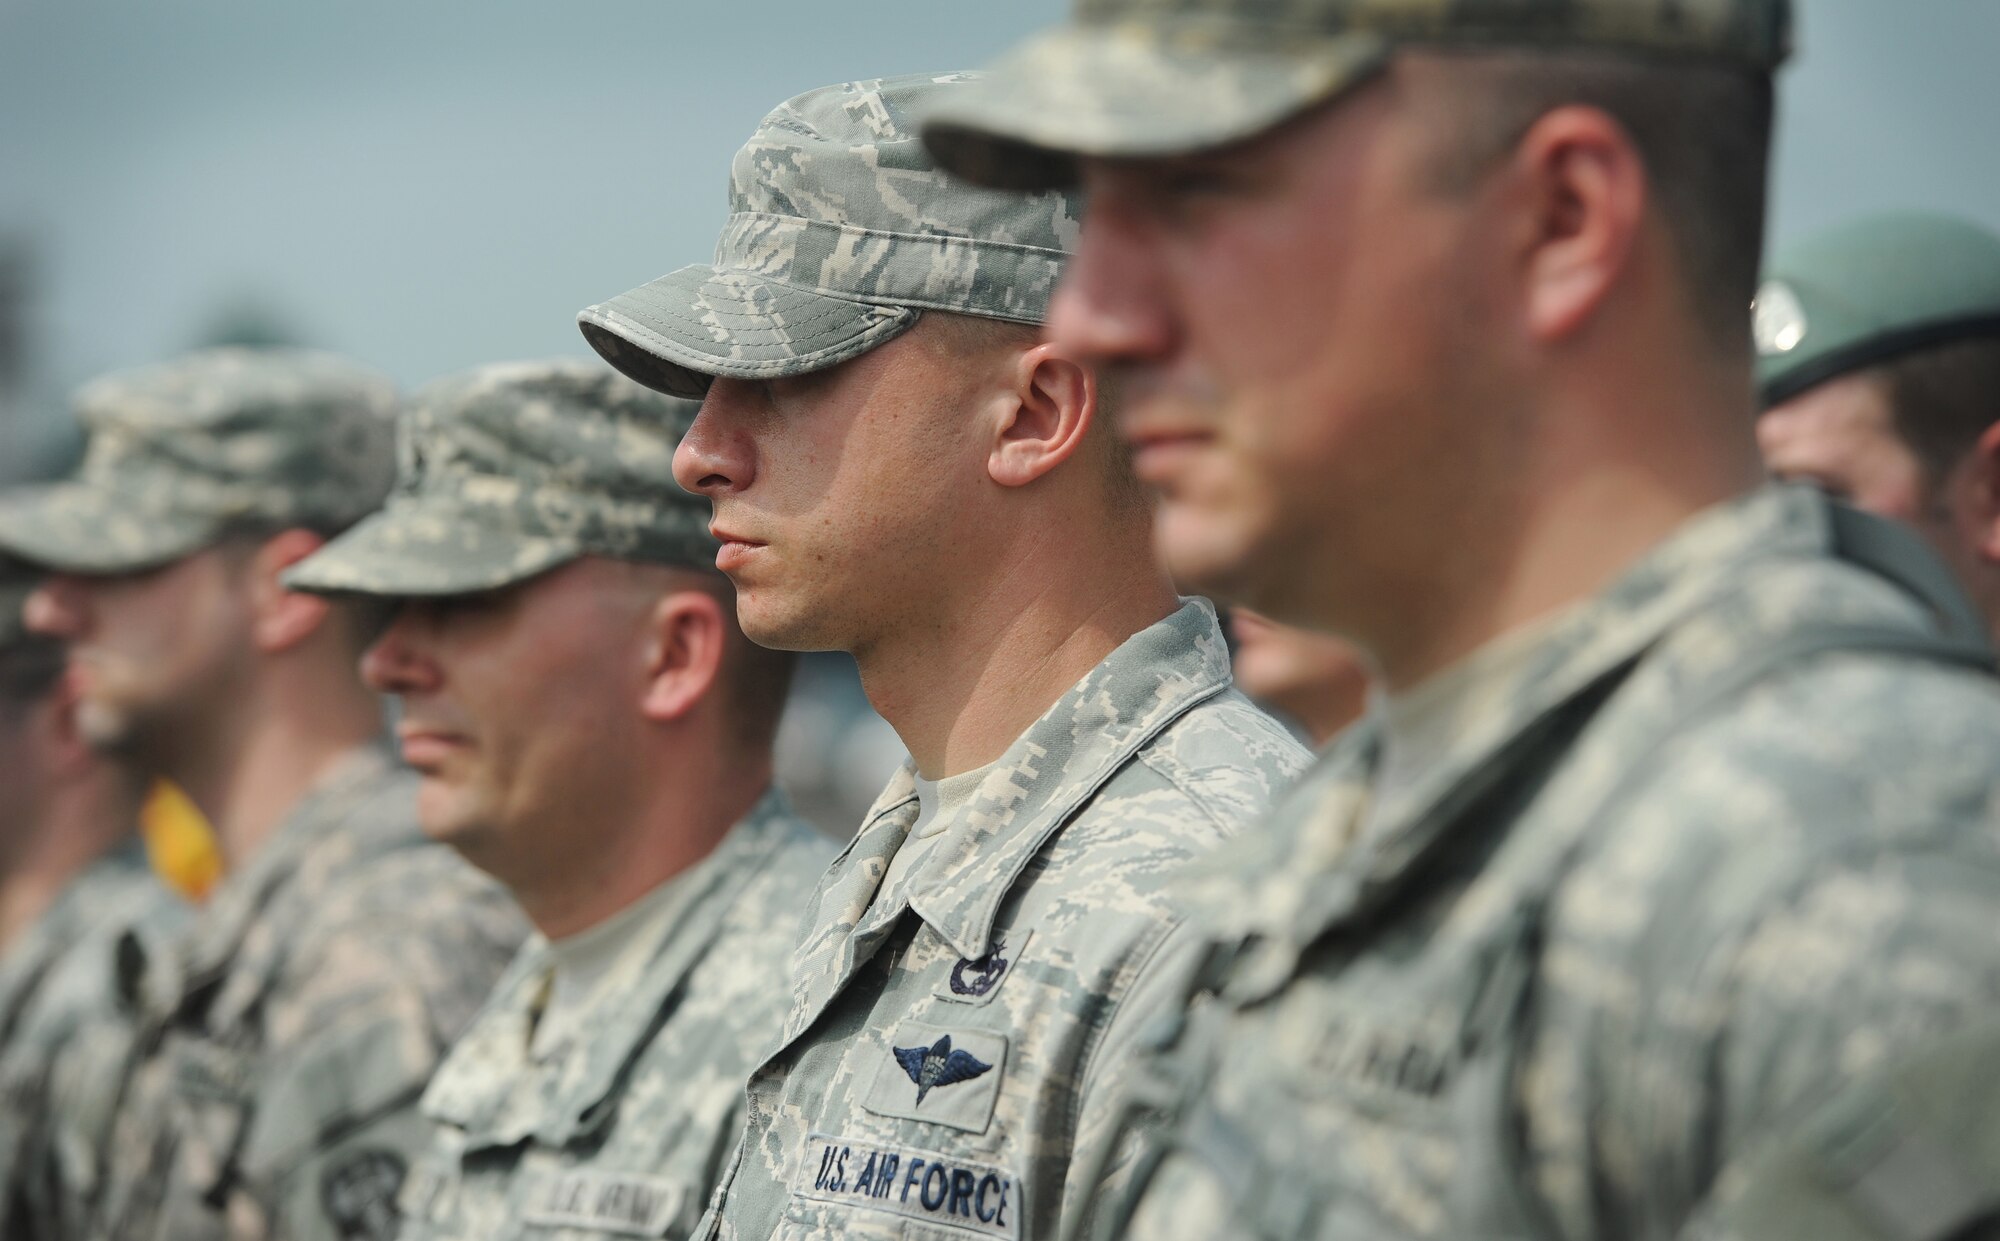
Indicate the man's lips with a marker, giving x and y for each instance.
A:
(1158, 450)
(736, 549)
(425, 748)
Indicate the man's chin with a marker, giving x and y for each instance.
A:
(106, 729)
(777, 629)
(1203, 556)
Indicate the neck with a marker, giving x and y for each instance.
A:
(82, 821)
(683, 815)
(960, 688)
(1635, 461)
(274, 745)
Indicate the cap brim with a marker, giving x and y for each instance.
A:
(79, 528)
(676, 333)
(423, 546)
(1134, 90)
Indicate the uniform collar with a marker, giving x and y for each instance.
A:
(101, 889)
(1315, 830)
(217, 939)
(1077, 745)
(489, 1087)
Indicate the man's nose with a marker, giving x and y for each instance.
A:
(714, 455)
(56, 607)
(395, 662)
(1111, 304)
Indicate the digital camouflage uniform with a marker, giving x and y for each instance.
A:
(286, 1035)
(290, 1037)
(509, 471)
(61, 1019)
(622, 1133)
(952, 1041)
(1688, 932)
(1033, 937)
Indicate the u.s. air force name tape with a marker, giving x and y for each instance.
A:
(916, 1184)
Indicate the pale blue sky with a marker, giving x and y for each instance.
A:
(436, 184)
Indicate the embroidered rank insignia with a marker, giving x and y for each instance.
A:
(938, 1065)
(975, 980)
(945, 1077)
(977, 977)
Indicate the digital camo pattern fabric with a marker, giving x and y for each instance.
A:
(623, 1134)
(1727, 844)
(62, 1019)
(841, 232)
(1148, 78)
(289, 1039)
(513, 469)
(179, 452)
(953, 1044)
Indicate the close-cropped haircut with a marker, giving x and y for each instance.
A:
(1943, 399)
(955, 335)
(1702, 131)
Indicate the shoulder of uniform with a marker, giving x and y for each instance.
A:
(1223, 764)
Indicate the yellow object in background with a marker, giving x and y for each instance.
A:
(179, 841)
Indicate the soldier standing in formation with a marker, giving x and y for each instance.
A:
(901, 469)
(1658, 894)
(73, 881)
(593, 730)
(1879, 370)
(286, 1038)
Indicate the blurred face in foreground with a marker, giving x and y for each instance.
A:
(521, 710)
(1296, 324)
(845, 498)
(150, 653)
(1316, 679)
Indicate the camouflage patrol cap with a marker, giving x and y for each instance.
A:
(1151, 78)
(511, 470)
(181, 452)
(841, 232)
(1870, 291)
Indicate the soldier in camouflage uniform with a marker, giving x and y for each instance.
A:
(594, 730)
(1878, 366)
(899, 469)
(73, 881)
(288, 1034)
(1656, 897)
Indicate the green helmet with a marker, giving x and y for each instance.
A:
(1870, 291)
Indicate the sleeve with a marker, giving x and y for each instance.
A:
(1121, 1113)
(1819, 1019)
(336, 1127)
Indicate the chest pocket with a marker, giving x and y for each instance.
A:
(1376, 1088)
(212, 1092)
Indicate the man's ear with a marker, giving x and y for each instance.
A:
(1983, 492)
(1585, 189)
(1050, 404)
(686, 634)
(283, 618)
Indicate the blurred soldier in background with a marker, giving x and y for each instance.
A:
(1659, 893)
(290, 1033)
(901, 470)
(1316, 681)
(73, 881)
(592, 729)
(1879, 367)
